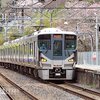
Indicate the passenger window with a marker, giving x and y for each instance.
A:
(34, 48)
(26, 49)
(31, 48)
(23, 49)
(16, 50)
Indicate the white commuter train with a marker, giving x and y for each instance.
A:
(49, 54)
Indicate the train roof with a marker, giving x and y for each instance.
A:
(54, 31)
(43, 31)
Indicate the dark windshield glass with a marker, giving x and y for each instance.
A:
(44, 45)
(57, 48)
(44, 42)
(70, 42)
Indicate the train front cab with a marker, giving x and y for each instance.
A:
(57, 56)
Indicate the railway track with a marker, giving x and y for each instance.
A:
(6, 93)
(84, 93)
(83, 88)
(31, 97)
(68, 87)
(47, 89)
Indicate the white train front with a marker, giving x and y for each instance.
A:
(49, 53)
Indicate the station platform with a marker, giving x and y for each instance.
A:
(88, 75)
(95, 68)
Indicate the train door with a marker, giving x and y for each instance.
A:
(57, 51)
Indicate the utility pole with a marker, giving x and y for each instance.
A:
(51, 16)
(0, 16)
(22, 9)
(91, 38)
(22, 15)
(5, 27)
(0, 5)
(96, 40)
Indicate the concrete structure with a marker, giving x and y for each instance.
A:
(88, 78)
(87, 70)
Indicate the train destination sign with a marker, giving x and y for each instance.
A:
(58, 36)
(70, 37)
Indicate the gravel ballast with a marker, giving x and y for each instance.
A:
(40, 90)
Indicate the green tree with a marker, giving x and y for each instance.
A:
(28, 30)
(1, 39)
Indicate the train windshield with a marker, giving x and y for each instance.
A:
(44, 42)
(57, 48)
(70, 42)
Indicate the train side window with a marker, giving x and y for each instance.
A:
(16, 50)
(7, 52)
(23, 49)
(26, 49)
(28, 44)
(34, 48)
(0, 53)
(10, 51)
(31, 48)
(19, 50)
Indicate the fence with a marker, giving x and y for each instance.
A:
(88, 58)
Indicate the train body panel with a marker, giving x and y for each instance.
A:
(51, 51)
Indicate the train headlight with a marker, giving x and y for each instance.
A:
(44, 60)
(71, 60)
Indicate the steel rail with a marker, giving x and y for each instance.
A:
(6, 92)
(83, 88)
(50, 8)
(68, 87)
(18, 87)
(83, 93)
